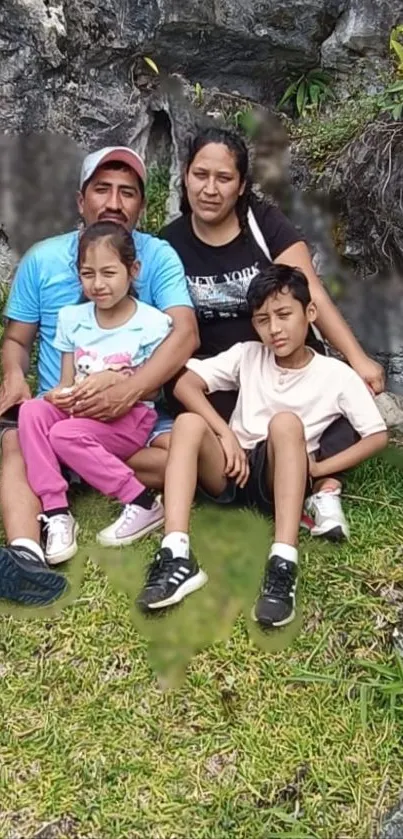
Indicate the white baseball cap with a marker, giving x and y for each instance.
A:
(109, 154)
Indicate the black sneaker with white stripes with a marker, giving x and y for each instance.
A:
(170, 579)
(276, 604)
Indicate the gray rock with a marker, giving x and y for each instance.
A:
(391, 408)
(365, 183)
(362, 30)
(392, 824)
(8, 262)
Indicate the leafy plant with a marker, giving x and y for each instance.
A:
(392, 98)
(245, 121)
(309, 91)
(323, 136)
(151, 64)
(396, 45)
(157, 192)
(199, 94)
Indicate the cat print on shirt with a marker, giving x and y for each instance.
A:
(88, 361)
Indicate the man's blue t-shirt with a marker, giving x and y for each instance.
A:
(47, 279)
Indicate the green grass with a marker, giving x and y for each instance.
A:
(323, 137)
(287, 736)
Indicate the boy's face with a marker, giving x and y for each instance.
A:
(282, 324)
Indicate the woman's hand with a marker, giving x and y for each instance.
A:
(236, 461)
(371, 372)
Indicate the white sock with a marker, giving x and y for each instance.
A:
(178, 543)
(31, 545)
(287, 552)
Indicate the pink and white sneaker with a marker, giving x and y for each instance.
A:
(133, 523)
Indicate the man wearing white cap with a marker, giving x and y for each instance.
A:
(112, 187)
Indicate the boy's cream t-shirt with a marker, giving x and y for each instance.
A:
(318, 393)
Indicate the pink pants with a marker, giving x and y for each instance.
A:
(93, 449)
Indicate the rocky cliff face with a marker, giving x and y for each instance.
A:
(72, 65)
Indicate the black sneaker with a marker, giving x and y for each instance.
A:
(25, 578)
(276, 603)
(169, 579)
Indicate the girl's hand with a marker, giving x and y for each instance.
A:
(236, 461)
(96, 383)
(61, 397)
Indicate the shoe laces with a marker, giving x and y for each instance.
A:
(279, 578)
(130, 512)
(325, 502)
(161, 568)
(55, 525)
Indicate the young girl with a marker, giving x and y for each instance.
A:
(109, 336)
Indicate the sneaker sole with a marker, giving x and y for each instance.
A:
(335, 534)
(196, 582)
(111, 542)
(37, 587)
(274, 624)
(64, 556)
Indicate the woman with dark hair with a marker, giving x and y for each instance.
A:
(224, 236)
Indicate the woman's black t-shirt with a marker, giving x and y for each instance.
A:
(218, 277)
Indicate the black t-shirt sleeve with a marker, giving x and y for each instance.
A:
(277, 230)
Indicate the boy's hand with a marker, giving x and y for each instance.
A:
(313, 467)
(236, 461)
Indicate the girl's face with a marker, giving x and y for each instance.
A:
(213, 183)
(105, 279)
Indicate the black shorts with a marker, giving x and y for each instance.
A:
(256, 493)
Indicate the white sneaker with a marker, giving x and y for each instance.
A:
(329, 519)
(133, 523)
(60, 537)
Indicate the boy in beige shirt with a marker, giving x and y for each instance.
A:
(268, 455)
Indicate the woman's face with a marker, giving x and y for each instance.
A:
(213, 183)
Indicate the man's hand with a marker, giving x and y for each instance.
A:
(236, 461)
(13, 391)
(109, 404)
(371, 372)
(96, 383)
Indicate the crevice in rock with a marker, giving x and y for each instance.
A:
(159, 146)
(46, 3)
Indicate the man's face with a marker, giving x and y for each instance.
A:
(282, 324)
(112, 195)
